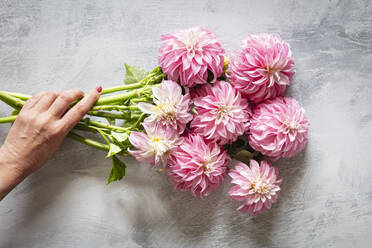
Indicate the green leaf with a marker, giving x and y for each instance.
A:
(114, 149)
(134, 74)
(117, 171)
(15, 112)
(120, 137)
(244, 156)
(111, 121)
(86, 121)
(193, 111)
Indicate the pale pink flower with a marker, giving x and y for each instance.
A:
(262, 68)
(197, 166)
(223, 114)
(155, 146)
(256, 186)
(188, 56)
(279, 128)
(171, 109)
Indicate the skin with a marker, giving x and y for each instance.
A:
(39, 130)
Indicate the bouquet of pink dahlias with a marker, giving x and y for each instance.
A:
(196, 111)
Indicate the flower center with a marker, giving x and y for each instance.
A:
(269, 69)
(223, 112)
(206, 165)
(273, 73)
(158, 146)
(290, 127)
(191, 42)
(191, 46)
(293, 125)
(260, 186)
(167, 112)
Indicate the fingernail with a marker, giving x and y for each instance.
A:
(99, 89)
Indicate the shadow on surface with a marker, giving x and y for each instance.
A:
(41, 190)
(259, 228)
(158, 205)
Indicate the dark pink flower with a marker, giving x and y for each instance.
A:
(188, 55)
(279, 128)
(262, 68)
(223, 114)
(197, 166)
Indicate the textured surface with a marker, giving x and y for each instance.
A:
(326, 199)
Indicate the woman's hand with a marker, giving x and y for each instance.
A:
(38, 131)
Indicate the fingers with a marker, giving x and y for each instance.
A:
(46, 100)
(76, 113)
(33, 100)
(63, 101)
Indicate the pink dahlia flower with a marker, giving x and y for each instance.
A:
(279, 128)
(262, 68)
(189, 54)
(256, 186)
(155, 146)
(202, 91)
(197, 166)
(171, 109)
(223, 114)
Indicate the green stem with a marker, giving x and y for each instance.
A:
(135, 116)
(155, 77)
(85, 127)
(11, 100)
(8, 119)
(140, 119)
(89, 142)
(138, 85)
(141, 99)
(24, 97)
(103, 125)
(107, 115)
(119, 98)
(94, 143)
(114, 107)
(122, 87)
(104, 136)
(18, 104)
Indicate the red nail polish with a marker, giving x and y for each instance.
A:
(99, 89)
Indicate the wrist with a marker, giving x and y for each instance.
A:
(10, 174)
(10, 163)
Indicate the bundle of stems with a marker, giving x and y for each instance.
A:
(119, 113)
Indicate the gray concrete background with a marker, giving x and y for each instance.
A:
(326, 198)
